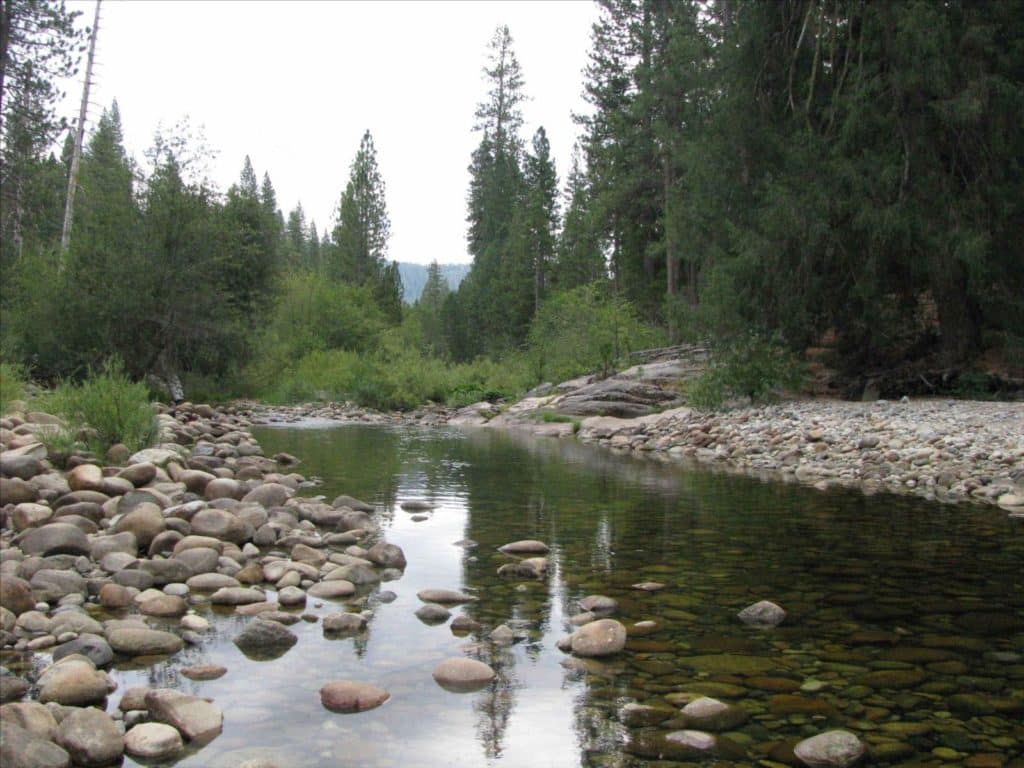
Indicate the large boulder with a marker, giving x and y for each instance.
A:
(91, 737)
(603, 637)
(91, 646)
(195, 718)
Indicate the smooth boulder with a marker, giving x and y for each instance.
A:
(351, 696)
(603, 637)
(461, 675)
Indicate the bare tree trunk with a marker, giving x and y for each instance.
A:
(76, 155)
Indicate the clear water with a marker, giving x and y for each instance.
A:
(872, 585)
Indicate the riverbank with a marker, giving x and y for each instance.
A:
(953, 451)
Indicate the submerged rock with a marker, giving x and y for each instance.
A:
(461, 675)
(762, 614)
(832, 749)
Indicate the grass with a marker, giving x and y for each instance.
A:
(105, 409)
(12, 385)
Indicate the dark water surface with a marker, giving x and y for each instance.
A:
(906, 618)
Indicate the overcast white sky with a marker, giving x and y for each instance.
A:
(295, 84)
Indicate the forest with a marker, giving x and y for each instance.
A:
(783, 176)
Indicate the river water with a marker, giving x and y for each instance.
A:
(905, 618)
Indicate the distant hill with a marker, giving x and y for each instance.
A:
(414, 277)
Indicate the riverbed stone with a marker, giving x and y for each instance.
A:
(20, 748)
(831, 749)
(265, 639)
(91, 737)
(386, 555)
(762, 614)
(330, 590)
(145, 521)
(237, 596)
(603, 637)
(50, 585)
(153, 740)
(74, 681)
(352, 696)
(221, 524)
(462, 675)
(432, 613)
(525, 547)
(445, 596)
(16, 594)
(140, 641)
(599, 604)
(708, 714)
(90, 645)
(195, 718)
(56, 538)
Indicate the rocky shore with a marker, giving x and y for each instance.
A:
(948, 450)
(107, 560)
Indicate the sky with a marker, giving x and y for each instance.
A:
(294, 85)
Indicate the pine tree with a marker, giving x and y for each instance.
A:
(361, 236)
(579, 258)
(430, 308)
(540, 203)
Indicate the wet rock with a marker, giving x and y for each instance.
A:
(461, 675)
(729, 664)
(444, 596)
(91, 646)
(416, 505)
(265, 639)
(344, 623)
(707, 714)
(525, 547)
(20, 748)
(164, 606)
(351, 503)
(223, 525)
(204, 672)
(115, 596)
(196, 719)
(649, 586)
(634, 715)
(386, 555)
(12, 688)
(91, 737)
(74, 681)
(32, 716)
(139, 641)
(762, 614)
(832, 749)
(603, 637)
(681, 745)
(599, 604)
(269, 495)
(237, 596)
(432, 613)
(330, 590)
(153, 740)
(893, 678)
(463, 625)
(351, 696)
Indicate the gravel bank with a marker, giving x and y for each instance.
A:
(949, 450)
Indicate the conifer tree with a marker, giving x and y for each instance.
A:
(361, 236)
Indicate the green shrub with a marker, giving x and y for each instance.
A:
(584, 330)
(106, 408)
(12, 384)
(749, 367)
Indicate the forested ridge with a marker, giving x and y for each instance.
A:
(792, 175)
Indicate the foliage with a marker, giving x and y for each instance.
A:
(107, 407)
(749, 367)
(12, 384)
(584, 330)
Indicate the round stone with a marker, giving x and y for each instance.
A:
(603, 637)
(153, 740)
(351, 696)
(462, 675)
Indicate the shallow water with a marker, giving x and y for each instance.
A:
(905, 626)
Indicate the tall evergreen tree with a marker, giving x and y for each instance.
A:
(361, 236)
(579, 259)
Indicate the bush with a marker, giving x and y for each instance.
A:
(12, 384)
(750, 367)
(584, 330)
(106, 408)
